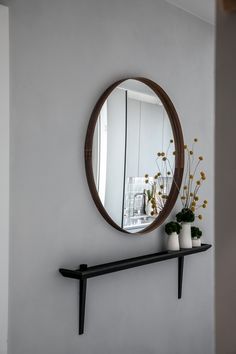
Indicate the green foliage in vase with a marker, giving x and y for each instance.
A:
(196, 232)
(185, 215)
(171, 227)
(149, 194)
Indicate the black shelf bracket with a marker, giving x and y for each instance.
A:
(82, 299)
(180, 275)
(84, 272)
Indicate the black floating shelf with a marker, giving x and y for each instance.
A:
(84, 272)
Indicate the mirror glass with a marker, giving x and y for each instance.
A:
(133, 156)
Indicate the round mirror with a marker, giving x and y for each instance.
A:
(134, 155)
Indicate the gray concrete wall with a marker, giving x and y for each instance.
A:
(63, 55)
(225, 172)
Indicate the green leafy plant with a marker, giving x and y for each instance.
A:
(149, 194)
(196, 232)
(185, 215)
(172, 226)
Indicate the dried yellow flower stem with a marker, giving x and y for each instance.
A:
(189, 192)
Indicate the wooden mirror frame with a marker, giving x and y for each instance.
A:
(179, 154)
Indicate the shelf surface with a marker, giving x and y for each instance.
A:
(97, 270)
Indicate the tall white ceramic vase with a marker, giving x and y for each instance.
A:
(173, 242)
(185, 238)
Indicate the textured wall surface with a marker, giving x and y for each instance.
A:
(63, 55)
(225, 171)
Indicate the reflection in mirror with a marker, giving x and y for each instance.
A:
(133, 159)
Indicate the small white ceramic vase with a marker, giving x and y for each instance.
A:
(185, 239)
(196, 242)
(173, 242)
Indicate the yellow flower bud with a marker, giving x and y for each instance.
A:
(200, 158)
(191, 194)
(162, 154)
(146, 176)
(198, 183)
(195, 140)
(190, 176)
(196, 198)
(164, 159)
(185, 187)
(171, 141)
(191, 152)
(185, 146)
(200, 217)
(193, 209)
(205, 201)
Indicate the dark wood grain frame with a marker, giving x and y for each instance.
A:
(179, 154)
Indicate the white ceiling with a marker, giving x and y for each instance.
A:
(204, 9)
